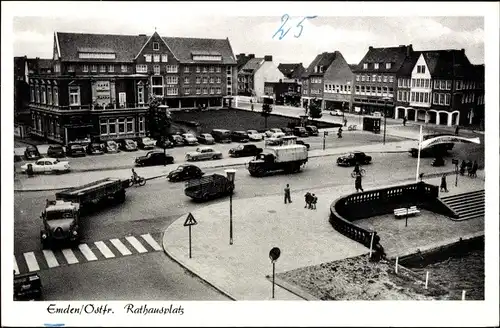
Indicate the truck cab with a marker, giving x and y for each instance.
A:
(60, 222)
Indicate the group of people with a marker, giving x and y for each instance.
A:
(471, 168)
(311, 200)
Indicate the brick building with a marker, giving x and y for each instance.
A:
(100, 83)
(338, 84)
(312, 79)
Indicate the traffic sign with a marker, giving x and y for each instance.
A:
(274, 254)
(190, 220)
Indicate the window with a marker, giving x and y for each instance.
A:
(186, 80)
(32, 96)
(104, 127)
(218, 89)
(197, 69)
(112, 126)
(212, 91)
(374, 78)
(448, 85)
(385, 78)
(186, 69)
(405, 96)
(427, 83)
(141, 124)
(388, 65)
(211, 69)
(441, 99)
(37, 88)
(111, 68)
(218, 69)
(391, 79)
(121, 125)
(49, 95)
(44, 95)
(93, 68)
(421, 97)
(375, 65)
(102, 68)
(205, 80)
(447, 99)
(365, 66)
(141, 68)
(74, 96)
(380, 78)
(205, 69)
(156, 69)
(171, 68)
(130, 124)
(435, 98)
(400, 96)
(156, 58)
(211, 80)
(157, 85)
(124, 68)
(57, 68)
(218, 80)
(148, 58)
(198, 80)
(172, 80)
(56, 96)
(205, 91)
(413, 96)
(418, 83)
(156, 46)
(85, 68)
(187, 91)
(363, 78)
(368, 78)
(198, 91)
(426, 97)
(140, 94)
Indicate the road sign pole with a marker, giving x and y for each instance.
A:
(273, 276)
(324, 140)
(189, 241)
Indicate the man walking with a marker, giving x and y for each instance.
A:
(287, 194)
(443, 183)
(357, 183)
(307, 197)
(404, 121)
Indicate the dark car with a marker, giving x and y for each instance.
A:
(154, 157)
(185, 172)
(300, 131)
(352, 158)
(245, 150)
(31, 153)
(206, 138)
(239, 136)
(177, 140)
(164, 143)
(287, 131)
(95, 149)
(312, 130)
(55, 151)
(75, 150)
(301, 142)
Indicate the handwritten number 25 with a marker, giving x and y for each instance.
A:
(302, 27)
(284, 19)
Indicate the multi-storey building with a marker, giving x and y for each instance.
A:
(292, 72)
(101, 84)
(376, 78)
(312, 79)
(255, 73)
(283, 92)
(338, 84)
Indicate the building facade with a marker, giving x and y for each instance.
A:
(284, 93)
(101, 84)
(255, 73)
(338, 84)
(313, 78)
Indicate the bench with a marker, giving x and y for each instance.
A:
(402, 212)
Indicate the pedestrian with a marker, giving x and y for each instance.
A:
(456, 130)
(307, 198)
(462, 167)
(443, 183)
(357, 183)
(404, 121)
(345, 121)
(469, 168)
(314, 201)
(251, 104)
(474, 169)
(287, 194)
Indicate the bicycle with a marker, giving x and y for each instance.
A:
(140, 181)
(362, 172)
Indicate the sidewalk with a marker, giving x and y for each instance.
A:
(72, 179)
(305, 238)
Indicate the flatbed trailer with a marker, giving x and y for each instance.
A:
(208, 187)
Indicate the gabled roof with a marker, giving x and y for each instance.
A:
(325, 59)
(394, 55)
(447, 63)
(408, 64)
(292, 71)
(45, 63)
(183, 49)
(252, 65)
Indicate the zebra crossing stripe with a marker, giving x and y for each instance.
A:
(16, 268)
(104, 249)
(137, 245)
(69, 255)
(50, 258)
(31, 261)
(151, 242)
(85, 249)
(119, 245)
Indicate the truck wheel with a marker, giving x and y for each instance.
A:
(120, 196)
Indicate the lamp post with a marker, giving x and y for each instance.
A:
(385, 114)
(230, 176)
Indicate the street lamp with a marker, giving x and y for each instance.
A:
(385, 114)
(230, 176)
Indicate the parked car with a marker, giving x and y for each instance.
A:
(75, 150)
(312, 130)
(154, 157)
(177, 140)
(301, 142)
(272, 131)
(300, 131)
(55, 151)
(47, 165)
(164, 143)
(31, 153)
(239, 136)
(287, 131)
(275, 139)
(95, 149)
(245, 150)
(128, 145)
(206, 138)
(221, 135)
(189, 139)
(111, 146)
(185, 172)
(203, 153)
(146, 143)
(254, 135)
(337, 112)
(352, 158)
(378, 114)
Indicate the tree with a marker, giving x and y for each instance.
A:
(315, 108)
(159, 121)
(266, 111)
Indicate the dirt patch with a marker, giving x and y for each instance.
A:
(359, 279)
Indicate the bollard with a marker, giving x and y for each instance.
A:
(463, 295)
(426, 279)
(396, 268)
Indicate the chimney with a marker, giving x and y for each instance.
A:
(268, 58)
(370, 48)
(409, 50)
(251, 56)
(463, 51)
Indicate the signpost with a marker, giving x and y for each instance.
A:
(190, 221)
(455, 162)
(274, 254)
(325, 133)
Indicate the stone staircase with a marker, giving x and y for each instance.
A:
(468, 205)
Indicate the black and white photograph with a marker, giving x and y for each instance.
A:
(172, 161)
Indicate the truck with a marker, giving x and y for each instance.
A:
(288, 157)
(209, 187)
(61, 217)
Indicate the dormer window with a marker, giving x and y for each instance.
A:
(365, 66)
(376, 65)
(156, 46)
(388, 65)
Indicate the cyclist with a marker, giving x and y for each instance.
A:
(135, 176)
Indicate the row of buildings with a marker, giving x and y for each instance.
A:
(99, 85)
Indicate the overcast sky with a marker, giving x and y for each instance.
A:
(33, 36)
